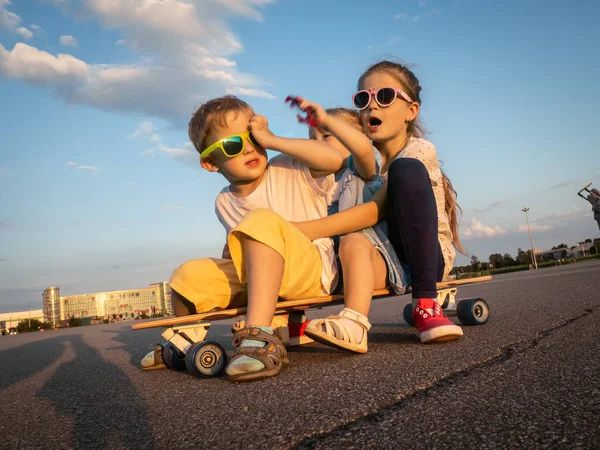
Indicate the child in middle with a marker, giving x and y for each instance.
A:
(342, 130)
(367, 258)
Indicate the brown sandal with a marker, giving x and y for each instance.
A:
(273, 355)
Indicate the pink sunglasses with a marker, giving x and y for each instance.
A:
(383, 96)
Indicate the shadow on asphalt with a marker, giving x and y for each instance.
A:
(14, 369)
(97, 396)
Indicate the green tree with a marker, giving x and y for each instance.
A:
(588, 241)
(47, 326)
(560, 246)
(524, 257)
(25, 326)
(496, 260)
(508, 260)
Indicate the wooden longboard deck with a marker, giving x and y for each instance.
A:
(286, 305)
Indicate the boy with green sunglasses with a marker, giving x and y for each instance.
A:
(268, 257)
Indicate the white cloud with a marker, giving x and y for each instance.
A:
(249, 92)
(416, 18)
(166, 208)
(142, 129)
(478, 230)
(36, 66)
(69, 40)
(120, 42)
(183, 51)
(8, 19)
(35, 27)
(422, 3)
(80, 167)
(563, 184)
(575, 212)
(401, 16)
(185, 152)
(534, 227)
(494, 205)
(24, 32)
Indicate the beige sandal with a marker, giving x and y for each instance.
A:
(333, 332)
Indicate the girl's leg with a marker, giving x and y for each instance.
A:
(364, 271)
(413, 224)
(413, 230)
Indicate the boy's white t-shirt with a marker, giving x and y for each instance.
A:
(289, 190)
(425, 152)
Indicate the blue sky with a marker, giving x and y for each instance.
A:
(101, 189)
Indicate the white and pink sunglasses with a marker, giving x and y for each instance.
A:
(383, 96)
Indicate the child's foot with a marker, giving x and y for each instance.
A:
(432, 323)
(346, 331)
(291, 330)
(163, 356)
(259, 354)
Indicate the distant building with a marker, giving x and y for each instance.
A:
(553, 255)
(129, 303)
(12, 319)
(579, 251)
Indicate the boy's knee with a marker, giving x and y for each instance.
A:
(190, 269)
(181, 305)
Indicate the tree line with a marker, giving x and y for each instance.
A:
(523, 258)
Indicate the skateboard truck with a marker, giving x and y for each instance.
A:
(586, 188)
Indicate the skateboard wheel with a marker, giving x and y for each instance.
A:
(407, 313)
(473, 311)
(173, 358)
(206, 359)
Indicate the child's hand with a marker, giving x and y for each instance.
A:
(318, 112)
(259, 126)
(593, 198)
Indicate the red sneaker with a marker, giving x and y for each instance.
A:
(432, 323)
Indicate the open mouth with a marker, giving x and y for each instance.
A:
(253, 162)
(374, 122)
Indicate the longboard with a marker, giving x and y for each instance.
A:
(285, 306)
(187, 347)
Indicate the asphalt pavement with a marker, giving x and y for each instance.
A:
(529, 378)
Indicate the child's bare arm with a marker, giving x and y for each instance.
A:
(353, 219)
(320, 157)
(353, 139)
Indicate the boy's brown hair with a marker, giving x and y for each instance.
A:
(213, 112)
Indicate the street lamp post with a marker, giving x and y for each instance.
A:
(533, 258)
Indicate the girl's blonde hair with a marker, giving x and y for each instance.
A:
(410, 83)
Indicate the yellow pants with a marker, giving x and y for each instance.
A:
(212, 283)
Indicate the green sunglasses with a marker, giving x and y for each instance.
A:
(232, 146)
